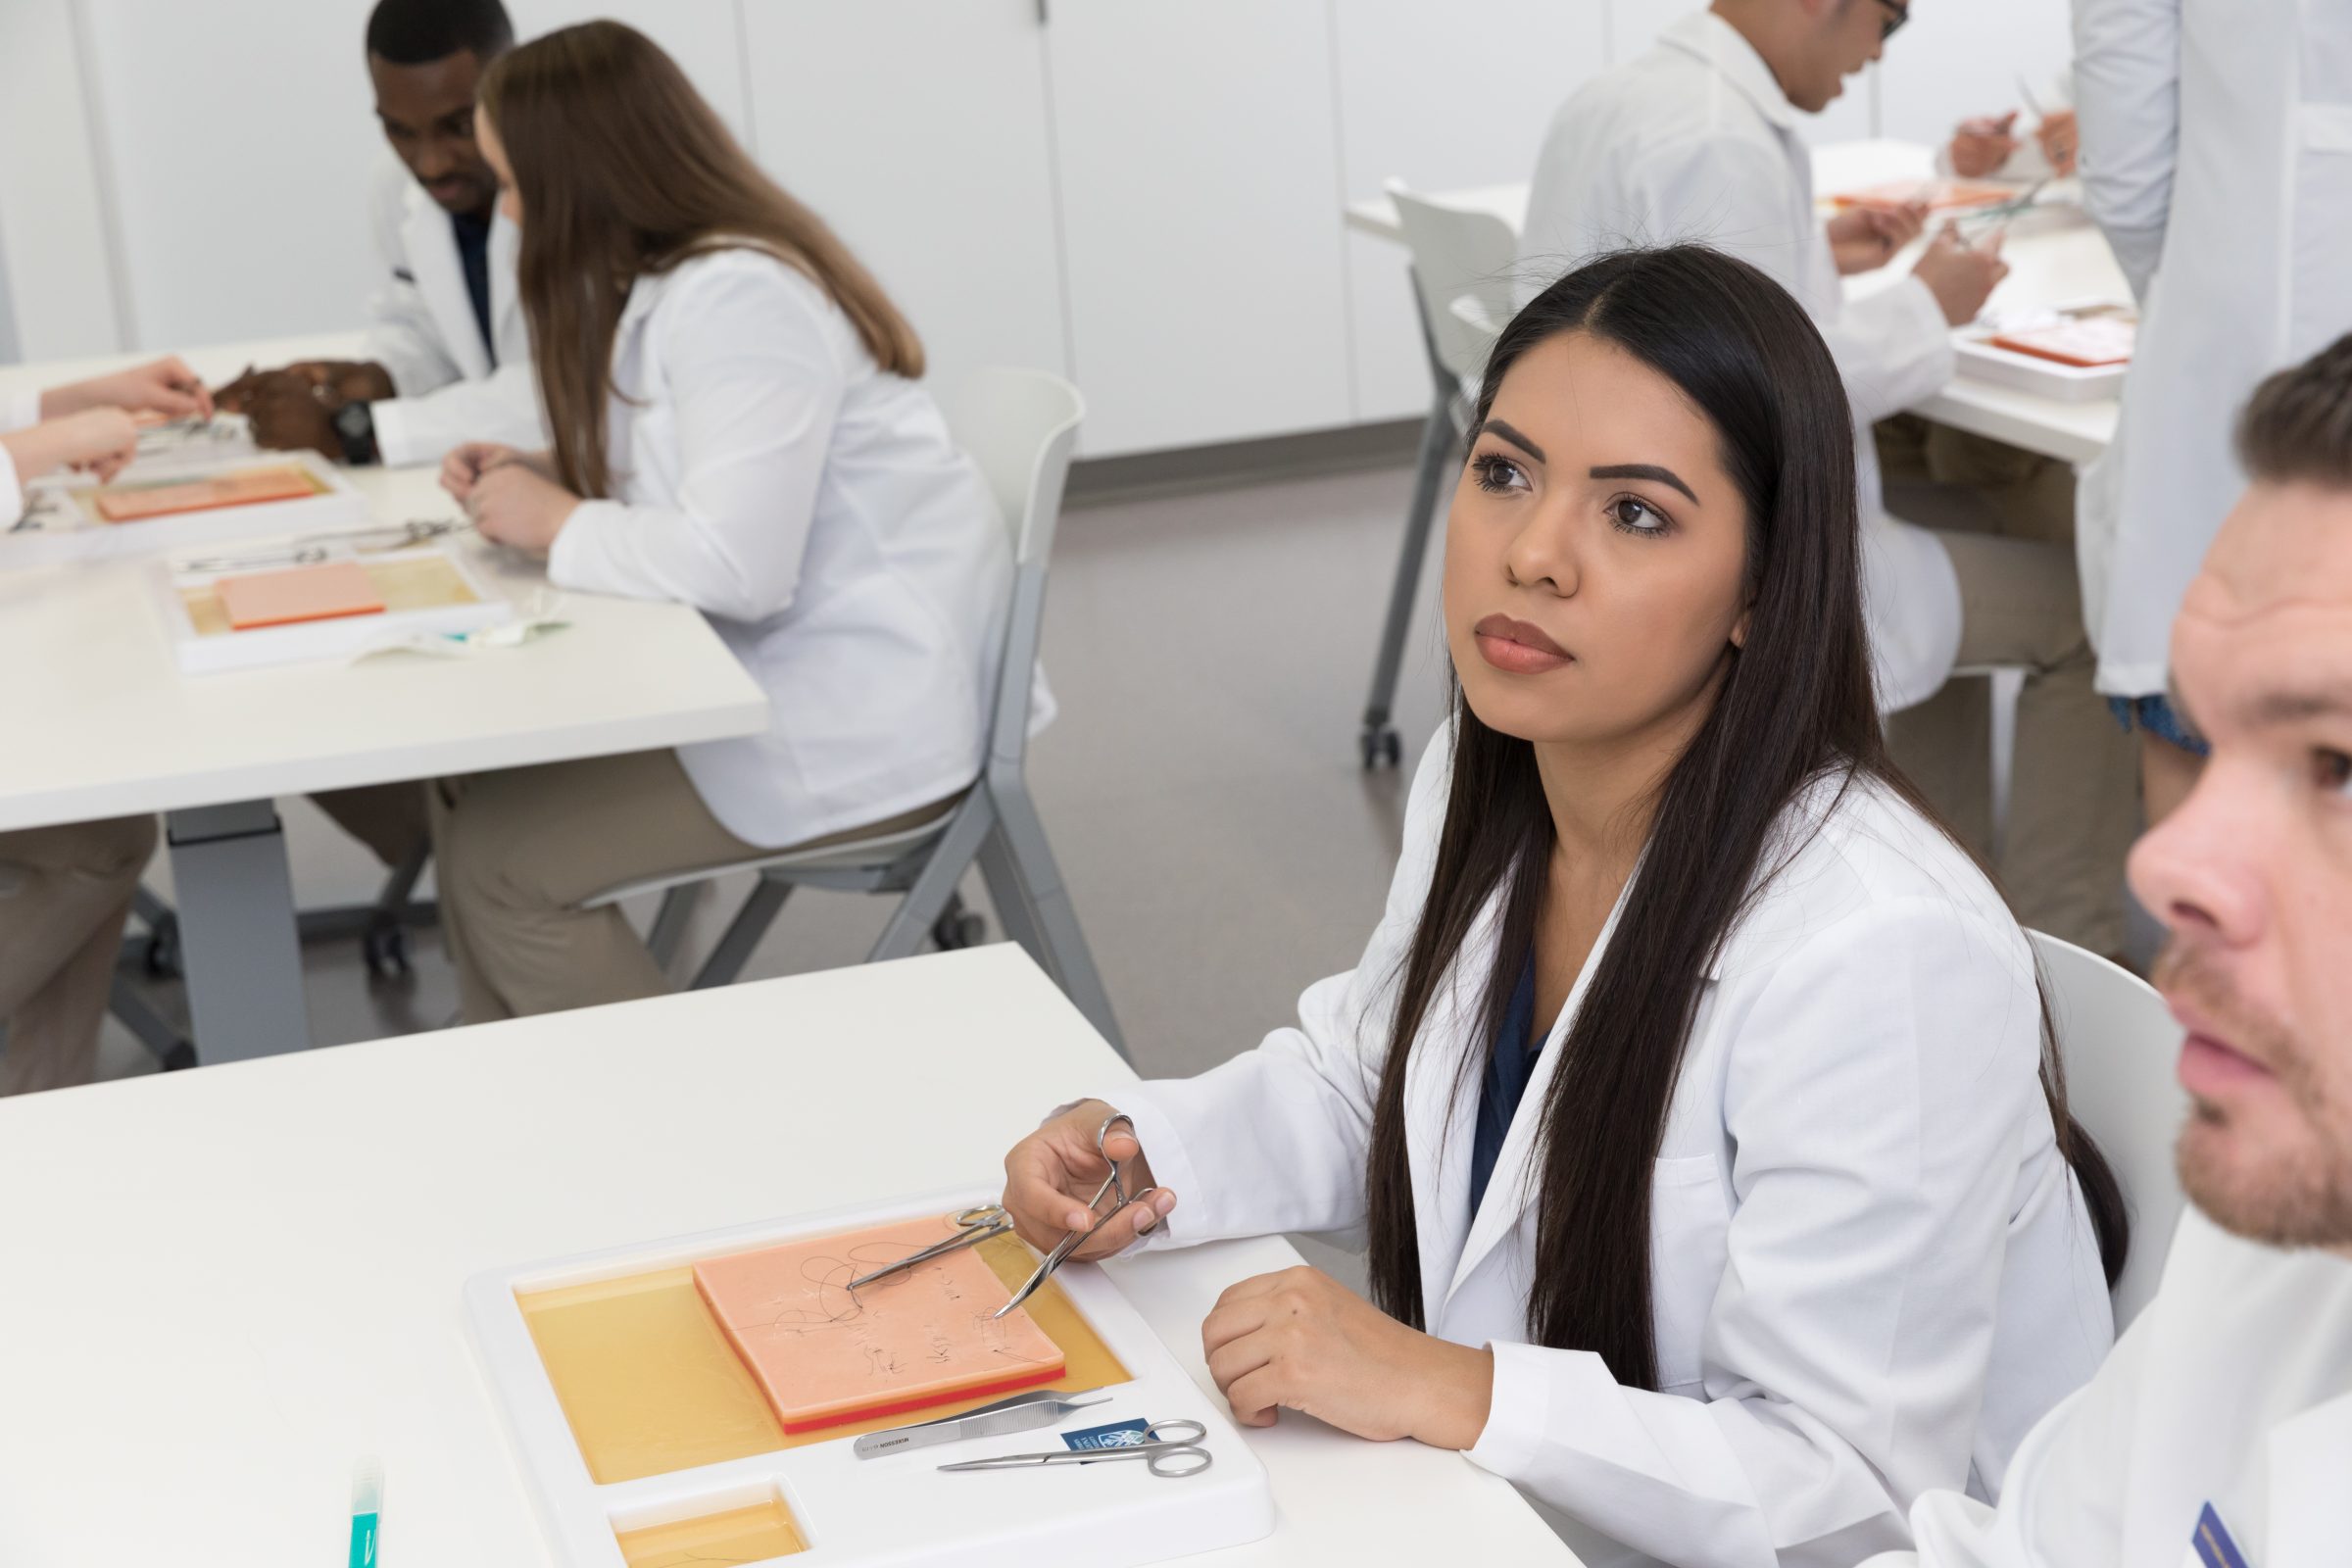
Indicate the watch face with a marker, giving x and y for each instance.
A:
(354, 420)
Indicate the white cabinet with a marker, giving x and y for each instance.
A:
(1198, 166)
(240, 136)
(918, 129)
(1443, 98)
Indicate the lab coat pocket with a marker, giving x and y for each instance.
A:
(2320, 302)
(1690, 1224)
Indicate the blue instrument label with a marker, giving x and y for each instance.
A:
(1117, 1434)
(2215, 1548)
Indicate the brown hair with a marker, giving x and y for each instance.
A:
(2298, 424)
(626, 172)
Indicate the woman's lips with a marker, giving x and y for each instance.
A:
(1517, 648)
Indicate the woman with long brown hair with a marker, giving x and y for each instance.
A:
(1693, 1091)
(738, 426)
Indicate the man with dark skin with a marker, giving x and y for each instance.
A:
(444, 334)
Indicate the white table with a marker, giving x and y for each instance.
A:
(2055, 257)
(225, 1287)
(99, 722)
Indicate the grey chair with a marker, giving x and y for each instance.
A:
(1021, 427)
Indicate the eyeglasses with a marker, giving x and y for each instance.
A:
(1897, 12)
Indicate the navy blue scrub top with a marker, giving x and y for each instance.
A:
(1509, 1068)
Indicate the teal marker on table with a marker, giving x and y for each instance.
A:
(366, 1502)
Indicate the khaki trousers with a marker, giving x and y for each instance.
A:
(389, 818)
(65, 893)
(2006, 518)
(517, 853)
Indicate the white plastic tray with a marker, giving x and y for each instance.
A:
(346, 637)
(1979, 360)
(55, 528)
(898, 1510)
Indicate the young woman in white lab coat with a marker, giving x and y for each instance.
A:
(1690, 1087)
(737, 426)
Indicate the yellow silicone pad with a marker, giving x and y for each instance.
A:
(650, 1384)
(739, 1534)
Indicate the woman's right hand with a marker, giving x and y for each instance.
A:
(1052, 1173)
(464, 468)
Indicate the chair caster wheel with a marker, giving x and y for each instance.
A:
(385, 948)
(1381, 748)
(162, 957)
(180, 1058)
(957, 931)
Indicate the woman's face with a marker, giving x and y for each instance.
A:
(493, 153)
(1596, 552)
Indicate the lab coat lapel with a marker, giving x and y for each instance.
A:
(506, 304)
(433, 251)
(1441, 1111)
(2310, 1504)
(1509, 1189)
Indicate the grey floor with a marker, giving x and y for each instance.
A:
(1209, 652)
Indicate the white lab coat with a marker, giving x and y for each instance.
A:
(815, 508)
(2233, 1389)
(1694, 140)
(1872, 1271)
(421, 329)
(2216, 156)
(16, 411)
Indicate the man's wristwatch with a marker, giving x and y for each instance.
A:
(354, 427)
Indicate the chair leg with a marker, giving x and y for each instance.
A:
(743, 934)
(927, 900)
(169, 1047)
(1035, 905)
(1380, 743)
(670, 925)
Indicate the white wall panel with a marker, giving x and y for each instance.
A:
(920, 130)
(54, 248)
(241, 135)
(1441, 97)
(1196, 146)
(1967, 57)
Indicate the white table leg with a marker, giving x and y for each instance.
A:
(237, 932)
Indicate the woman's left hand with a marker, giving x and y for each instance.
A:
(1301, 1341)
(515, 506)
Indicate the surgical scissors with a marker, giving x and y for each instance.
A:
(1113, 1184)
(973, 1226)
(1172, 1458)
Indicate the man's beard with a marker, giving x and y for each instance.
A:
(2296, 1196)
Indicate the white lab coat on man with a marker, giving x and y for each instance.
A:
(2233, 1391)
(1694, 140)
(1873, 1273)
(815, 508)
(18, 410)
(422, 330)
(2216, 156)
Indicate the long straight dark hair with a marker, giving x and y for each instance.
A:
(626, 172)
(1794, 707)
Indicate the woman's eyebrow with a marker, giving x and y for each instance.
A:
(1505, 430)
(1645, 470)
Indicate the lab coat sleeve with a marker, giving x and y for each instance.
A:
(401, 334)
(1876, 1102)
(12, 491)
(754, 387)
(2128, 105)
(503, 406)
(1275, 1139)
(1894, 348)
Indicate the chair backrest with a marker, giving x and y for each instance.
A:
(1456, 252)
(2120, 1043)
(1022, 428)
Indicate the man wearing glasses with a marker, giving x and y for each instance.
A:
(1698, 139)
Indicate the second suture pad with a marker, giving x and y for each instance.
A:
(824, 1356)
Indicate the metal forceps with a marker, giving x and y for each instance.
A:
(972, 1227)
(1113, 1185)
(1169, 1449)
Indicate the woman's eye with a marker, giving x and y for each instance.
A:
(1637, 516)
(2331, 769)
(1495, 473)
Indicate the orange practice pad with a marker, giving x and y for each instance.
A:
(245, 487)
(299, 593)
(2092, 341)
(1940, 195)
(917, 1338)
